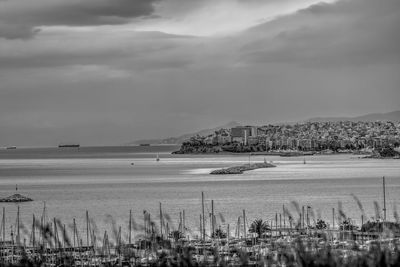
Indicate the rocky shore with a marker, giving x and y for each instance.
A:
(16, 198)
(198, 150)
(385, 153)
(243, 168)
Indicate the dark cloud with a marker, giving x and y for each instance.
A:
(133, 51)
(16, 31)
(19, 18)
(348, 32)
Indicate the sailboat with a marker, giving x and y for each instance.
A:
(158, 157)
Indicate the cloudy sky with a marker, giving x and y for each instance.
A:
(112, 71)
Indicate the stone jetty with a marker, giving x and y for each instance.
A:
(242, 168)
(16, 198)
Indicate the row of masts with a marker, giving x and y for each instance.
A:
(48, 232)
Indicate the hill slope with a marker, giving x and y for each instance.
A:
(182, 138)
(390, 116)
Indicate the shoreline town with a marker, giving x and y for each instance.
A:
(373, 139)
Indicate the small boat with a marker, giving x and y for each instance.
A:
(144, 145)
(132, 163)
(11, 147)
(158, 157)
(304, 161)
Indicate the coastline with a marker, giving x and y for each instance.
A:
(260, 153)
(289, 153)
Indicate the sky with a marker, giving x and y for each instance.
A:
(108, 72)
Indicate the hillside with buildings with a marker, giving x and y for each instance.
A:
(342, 136)
(390, 116)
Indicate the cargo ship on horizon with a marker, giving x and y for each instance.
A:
(69, 145)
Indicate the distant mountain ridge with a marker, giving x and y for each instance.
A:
(389, 116)
(183, 138)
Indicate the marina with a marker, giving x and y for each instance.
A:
(50, 242)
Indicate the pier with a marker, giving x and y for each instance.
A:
(242, 168)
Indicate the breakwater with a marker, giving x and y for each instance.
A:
(16, 198)
(242, 168)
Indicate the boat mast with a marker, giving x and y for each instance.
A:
(4, 224)
(384, 198)
(33, 231)
(284, 216)
(202, 206)
(44, 225)
(184, 223)
(130, 227)
(180, 223)
(161, 221)
(227, 235)
(18, 236)
(212, 218)
(74, 231)
(87, 228)
(145, 223)
(56, 243)
(201, 227)
(238, 227)
(64, 237)
(244, 224)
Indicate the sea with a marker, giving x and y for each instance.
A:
(110, 182)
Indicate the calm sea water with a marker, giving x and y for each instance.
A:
(103, 181)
